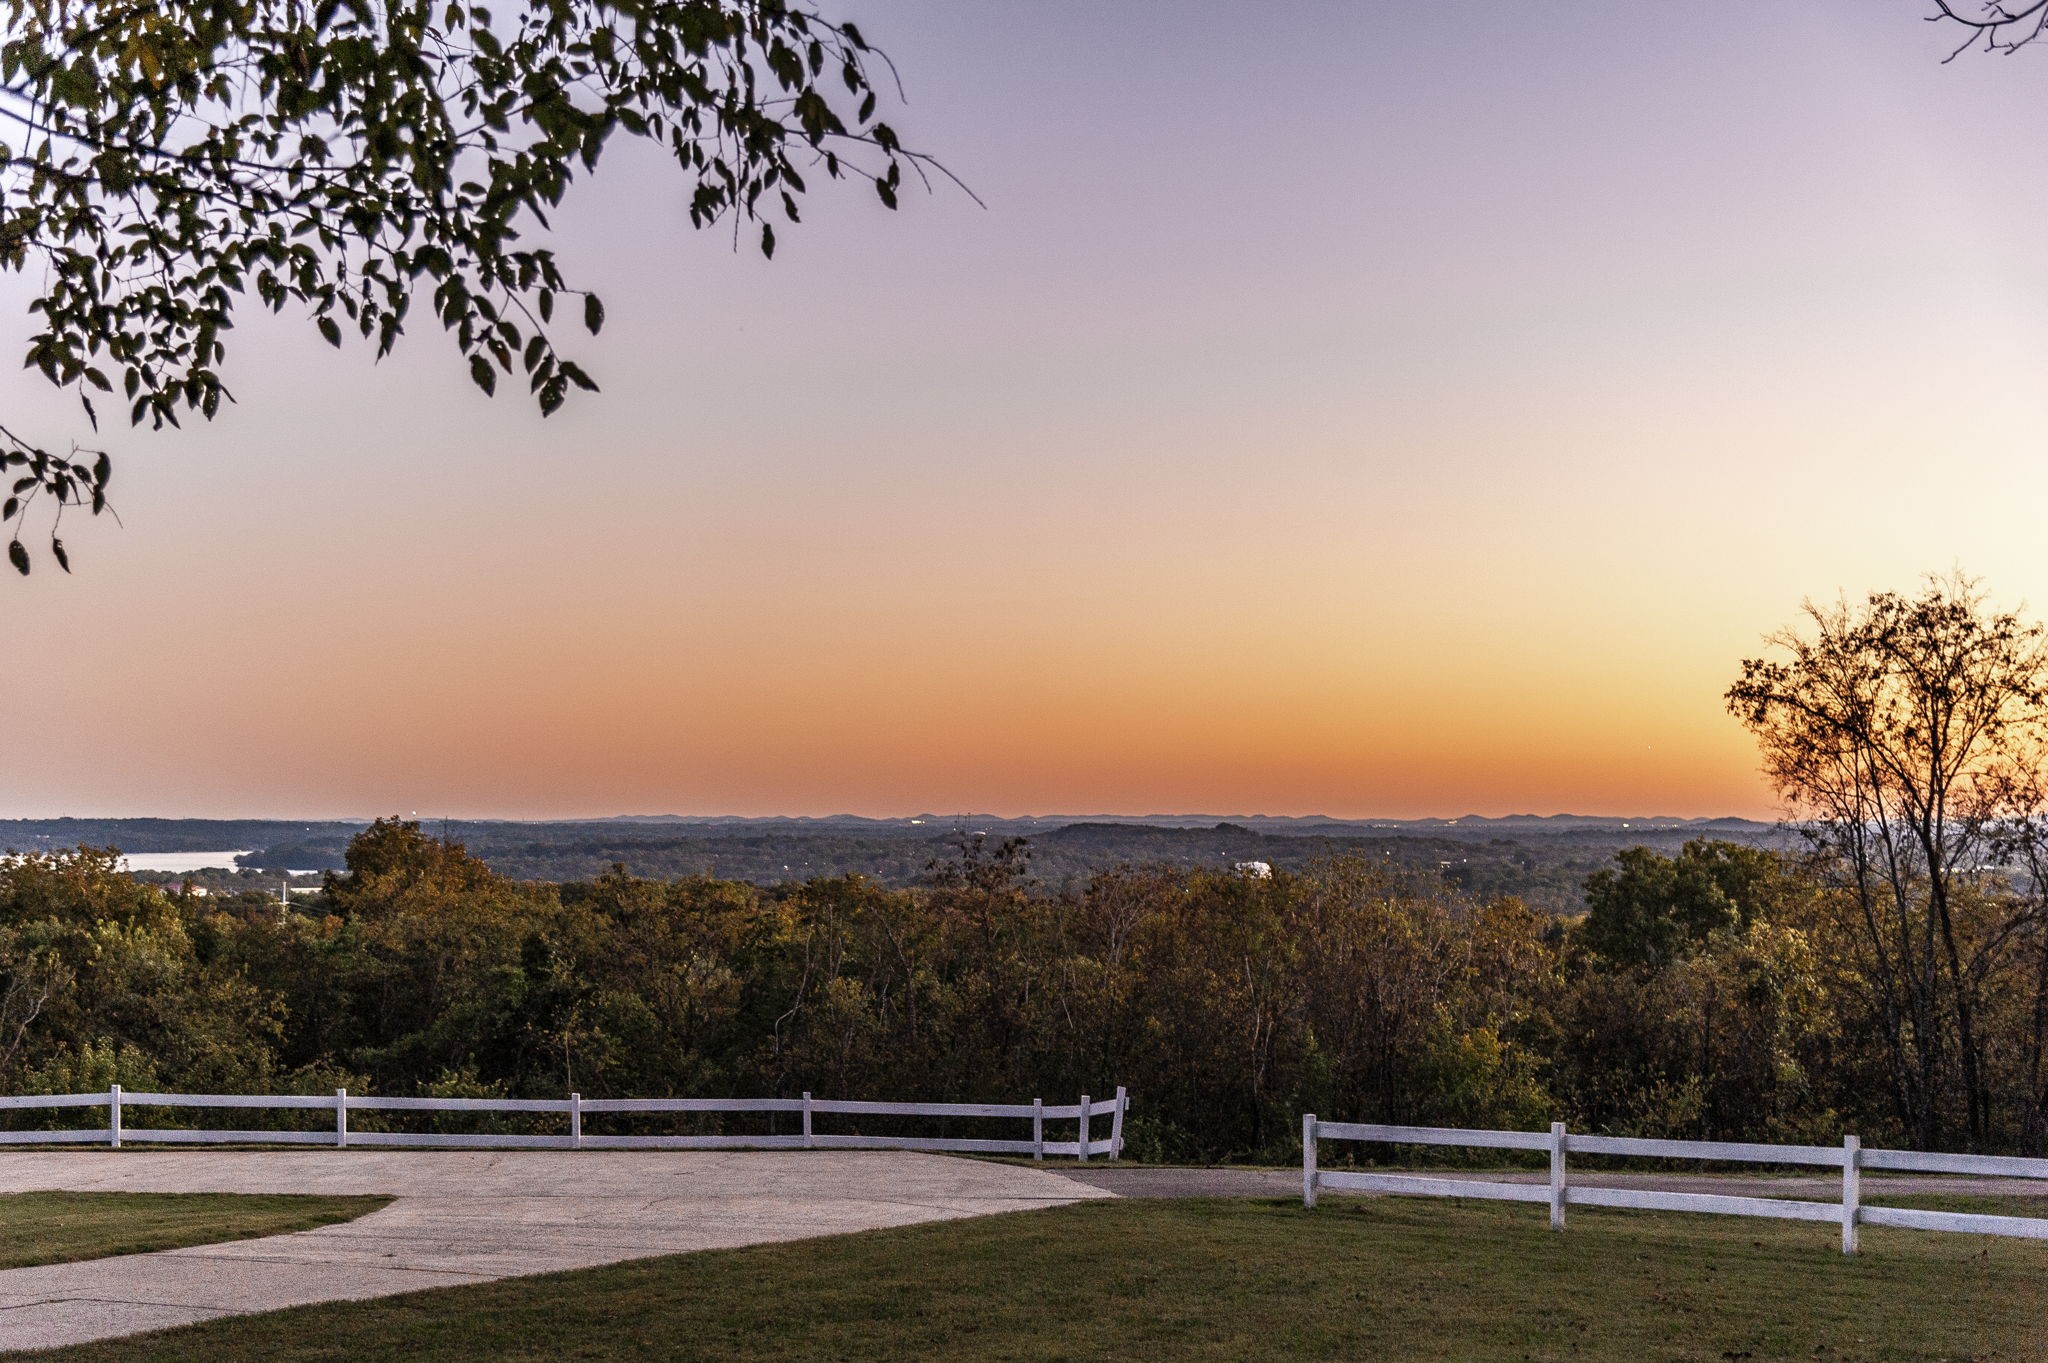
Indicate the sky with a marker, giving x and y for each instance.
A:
(1354, 409)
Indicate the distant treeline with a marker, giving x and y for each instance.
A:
(169, 835)
(1546, 872)
(1713, 993)
(1544, 863)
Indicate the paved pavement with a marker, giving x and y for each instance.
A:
(1166, 1181)
(463, 1217)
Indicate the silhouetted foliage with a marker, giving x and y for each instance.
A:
(1909, 736)
(165, 159)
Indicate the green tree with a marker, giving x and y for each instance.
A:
(163, 160)
(1655, 909)
(109, 980)
(429, 955)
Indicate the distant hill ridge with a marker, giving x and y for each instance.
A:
(1263, 821)
(1544, 859)
(155, 834)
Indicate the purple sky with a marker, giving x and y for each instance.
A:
(1350, 408)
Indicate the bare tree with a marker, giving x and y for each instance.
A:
(1992, 26)
(1907, 736)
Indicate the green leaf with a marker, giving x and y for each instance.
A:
(382, 200)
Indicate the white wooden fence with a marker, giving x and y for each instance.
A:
(1850, 1158)
(574, 1109)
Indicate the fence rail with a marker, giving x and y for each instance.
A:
(1851, 1159)
(574, 1109)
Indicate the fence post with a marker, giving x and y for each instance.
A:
(1038, 1128)
(340, 1118)
(575, 1121)
(1852, 1190)
(1557, 1140)
(1083, 1145)
(807, 1119)
(114, 1115)
(1116, 1124)
(1308, 1160)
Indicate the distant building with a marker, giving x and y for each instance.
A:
(1255, 870)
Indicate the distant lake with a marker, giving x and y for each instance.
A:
(174, 862)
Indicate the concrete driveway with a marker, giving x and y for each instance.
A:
(463, 1217)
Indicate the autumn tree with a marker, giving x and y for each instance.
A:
(1906, 735)
(164, 162)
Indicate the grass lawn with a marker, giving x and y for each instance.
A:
(1380, 1279)
(57, 1228)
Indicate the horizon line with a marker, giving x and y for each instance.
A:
(926, 816)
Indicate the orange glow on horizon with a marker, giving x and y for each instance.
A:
(1446, 462)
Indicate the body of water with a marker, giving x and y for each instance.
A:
(175, 862)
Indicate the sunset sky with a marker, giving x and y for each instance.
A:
(1337, 408)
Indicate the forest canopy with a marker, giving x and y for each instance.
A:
(1709, 995)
